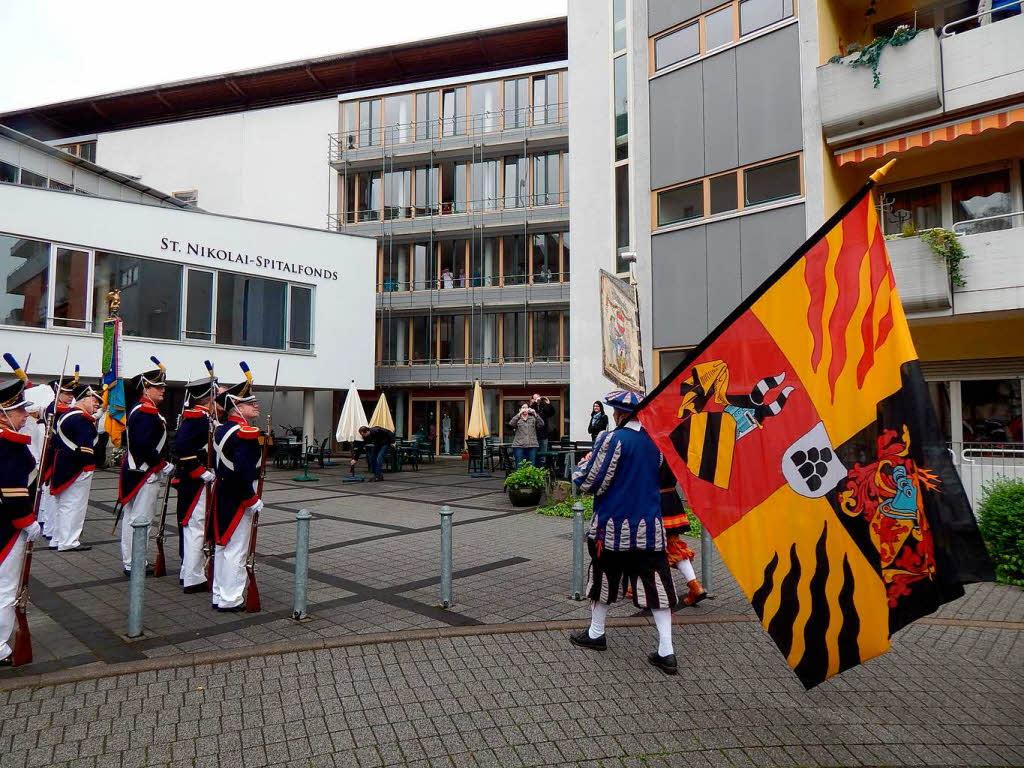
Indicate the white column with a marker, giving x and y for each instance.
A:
(308, 415)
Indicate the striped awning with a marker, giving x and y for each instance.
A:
(951, 131)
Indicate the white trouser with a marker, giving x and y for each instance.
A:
(72, 504)
(229, 566)
(194, 536)
(48, 512)
(141, 507)
(10, 580)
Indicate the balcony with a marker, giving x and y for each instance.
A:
(921, 277)
(936, 73)
(493, 133)
(454, 374)
(515, 293)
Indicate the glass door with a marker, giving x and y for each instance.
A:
(423, 427)
(452, 426)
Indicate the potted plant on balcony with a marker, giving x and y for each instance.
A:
(526, 484)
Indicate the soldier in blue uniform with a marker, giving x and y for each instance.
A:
(627, 537)
(63, 395)
(192, 477)
(74, 438)
(145, 441)
(18, 524)
(238, 457)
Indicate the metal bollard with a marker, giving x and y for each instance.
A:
(577, 588)
(300, 594)
(447, 596)
(707, 554)
(137, 585)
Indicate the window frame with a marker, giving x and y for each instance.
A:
(186, 280)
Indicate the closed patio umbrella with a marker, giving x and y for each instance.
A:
(352, 417)
(382, 414)
(477, 414)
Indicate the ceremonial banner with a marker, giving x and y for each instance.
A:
(803, 436)
(113, 385)
(620, 334)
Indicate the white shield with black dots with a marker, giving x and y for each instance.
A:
(810, 465)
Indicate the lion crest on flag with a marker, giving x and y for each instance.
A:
(887, 494)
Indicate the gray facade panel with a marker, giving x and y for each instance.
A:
(724, 273)
(679, 291)
(677, 126)
(768, 91)
(662, 14)
(721, 148)
(766, 240)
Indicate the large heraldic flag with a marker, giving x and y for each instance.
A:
(802, 434)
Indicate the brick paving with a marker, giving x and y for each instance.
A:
(949, 693)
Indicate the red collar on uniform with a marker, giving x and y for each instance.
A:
(148, 406)
(78, 408)
(15, 437)
(62, 406)
(196, 411)
(235, 418)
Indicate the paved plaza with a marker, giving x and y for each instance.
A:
(381, 675)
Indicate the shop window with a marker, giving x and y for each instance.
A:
(150, 295)
(198, 305)
(300, 318)
(981, 197)
(991, 411)
(918, 209)
(250, 311)
(24, 281)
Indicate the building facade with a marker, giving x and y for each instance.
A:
(731, 131)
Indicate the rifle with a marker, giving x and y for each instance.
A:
(160, 568)
(208, 543)
(21, 652)
(252, 592)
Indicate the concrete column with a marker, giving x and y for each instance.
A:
(308, 415)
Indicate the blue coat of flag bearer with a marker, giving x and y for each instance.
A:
(145, 447)
(18, 524)
(238, 454)
(192, 477)
(626, 538)
(74, 438)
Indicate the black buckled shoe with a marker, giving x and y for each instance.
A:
(666, 664)
(584, 640)
(201, 587)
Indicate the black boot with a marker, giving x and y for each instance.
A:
(666, 664)
(584, 640)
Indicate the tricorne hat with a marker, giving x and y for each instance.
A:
(156, 377)
(624, 400)
(239, 393)
(87, 390)
(12, 394)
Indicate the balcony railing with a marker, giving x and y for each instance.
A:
(519, 123)
(483, 205)
(389, 285)
(981, 463)
(994, 223)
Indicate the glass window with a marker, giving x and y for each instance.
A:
(8, 173)
(369, 123)
(30, 179)
(351, 202)
(150, 295)
(773, 181)
(723, 193)
(300, 315)
(398, 111)
(198, 304)
(678, 46)
(718, 28)
(515, 181)
(545, 336)
(426, 191)
(428, 115)
(24, 281)
(545, 179)
(514, 252)
(517, 102)
(755, 14)
(514, 342)
(622, 237)
(461, 187)
(919, 209)
(349, 125)
(393, 339)
(60, 186)
(545, 99)
(977, 197)
(991, 411)
(486, 185)
(422, 340)
(87, 151)
(454, 103)
(70, 288)
(451, 335)
(425, 266)
(618, 25)
(621, 96)
(483, 338)
(565, 257)
(395, 268)
(668, 360)
(545, 258)
(369, 205)
(483, 262)
(397, 192)
(565, 176)
(250, 311)
(681, 204)
(453, 263)
(485, 100)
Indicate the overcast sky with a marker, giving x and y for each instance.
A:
(56, 50)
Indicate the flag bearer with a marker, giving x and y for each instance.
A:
(74, 438)
(63, 396)
(192, 477)
(676, 522)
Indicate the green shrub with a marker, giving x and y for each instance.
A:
(1001, 520)
(527, 476)
(564, 508)
(695, 527)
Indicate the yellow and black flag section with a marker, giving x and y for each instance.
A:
(803, 436)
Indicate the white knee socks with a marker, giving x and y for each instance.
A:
(686, 568)
(663, 621)
(598, 613)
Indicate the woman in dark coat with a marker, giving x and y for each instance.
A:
(598, 420)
